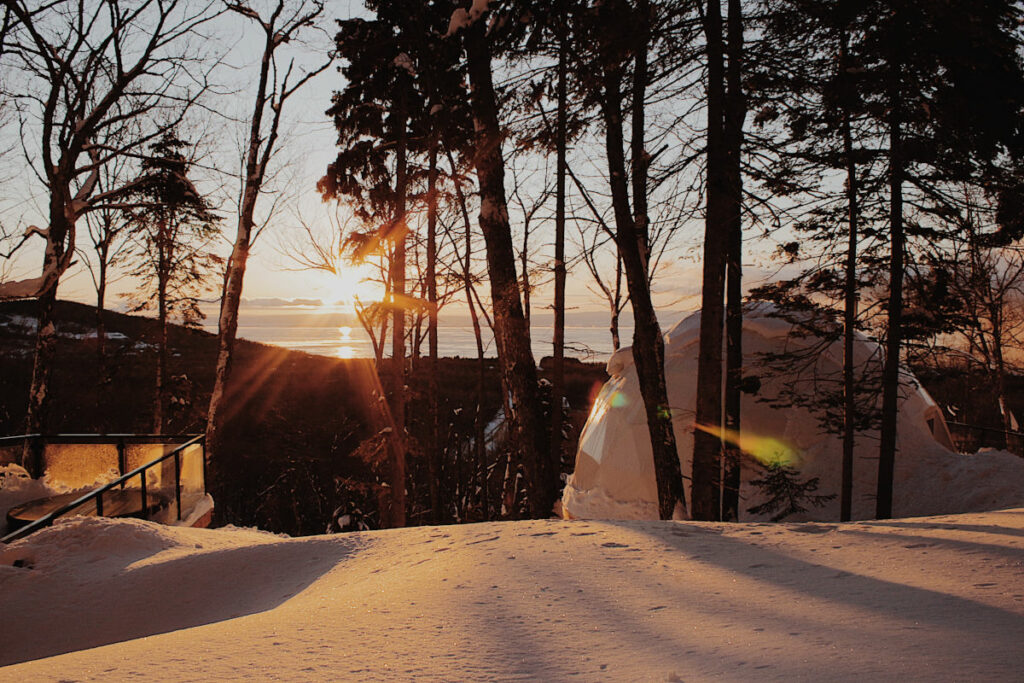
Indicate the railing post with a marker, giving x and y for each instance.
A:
(122, 459)
(37, 448)
(145, 498)
(202, 445)
(99, 505)
(177, 480)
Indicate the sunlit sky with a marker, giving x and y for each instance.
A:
(308, 145)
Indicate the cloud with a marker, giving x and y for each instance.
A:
(277, 302)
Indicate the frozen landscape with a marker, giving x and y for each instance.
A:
(406, 227)
(937, 598)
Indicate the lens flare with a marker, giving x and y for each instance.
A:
(765, 449)
(595, 392)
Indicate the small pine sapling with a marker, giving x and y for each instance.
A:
(786, 494)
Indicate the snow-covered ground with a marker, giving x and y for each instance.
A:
(938, 598)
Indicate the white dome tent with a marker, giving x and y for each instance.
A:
(614, 472)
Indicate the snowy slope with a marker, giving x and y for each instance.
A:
(938, 598)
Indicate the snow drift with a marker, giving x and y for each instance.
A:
(614, 473)
(936, 599)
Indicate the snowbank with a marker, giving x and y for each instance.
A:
(916, 599)
(17, 487)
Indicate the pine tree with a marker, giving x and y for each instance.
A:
(806, 79)
(907, 97)
(947, 96)
(786, 493)
(174, 228)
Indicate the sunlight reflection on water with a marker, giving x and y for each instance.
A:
(343, 341)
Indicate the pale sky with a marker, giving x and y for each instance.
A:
(308, 145)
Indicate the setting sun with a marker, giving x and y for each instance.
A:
(353, 284)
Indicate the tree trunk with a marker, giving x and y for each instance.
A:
(433, 442)
(524, 258)
(102, 379)
(734, 116)
(850, 302)
(648, 345)
(480, 450)
(227, 322)
(707, 445)
(36, 419)
(163, 246)
(1000, 373)
(616, 307)
(159, 398)
(61, 232)
(558, 337)
(396, 465)
(512, 335)
(893, 339)
(101, 327)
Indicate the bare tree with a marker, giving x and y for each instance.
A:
(87, 72)
(632, 224)
(109, 236)
(591, 244)
(512, 335)
(528, 207)
(276, 83)
(333, 246)
(984, 282)
(990, 284)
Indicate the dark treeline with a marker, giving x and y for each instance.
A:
(488, 152)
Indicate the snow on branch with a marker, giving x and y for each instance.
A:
(402, 61)
(462, 19)
(34, 287)
(29, 288)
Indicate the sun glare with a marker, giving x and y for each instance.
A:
(352, 284)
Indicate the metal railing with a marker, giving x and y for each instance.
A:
(96, 495)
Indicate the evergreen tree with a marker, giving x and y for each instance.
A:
(707, 444)
(371, 115)
(174, 228)
(932, 99)
(805, 79)
(786, 493)
(946, 95)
